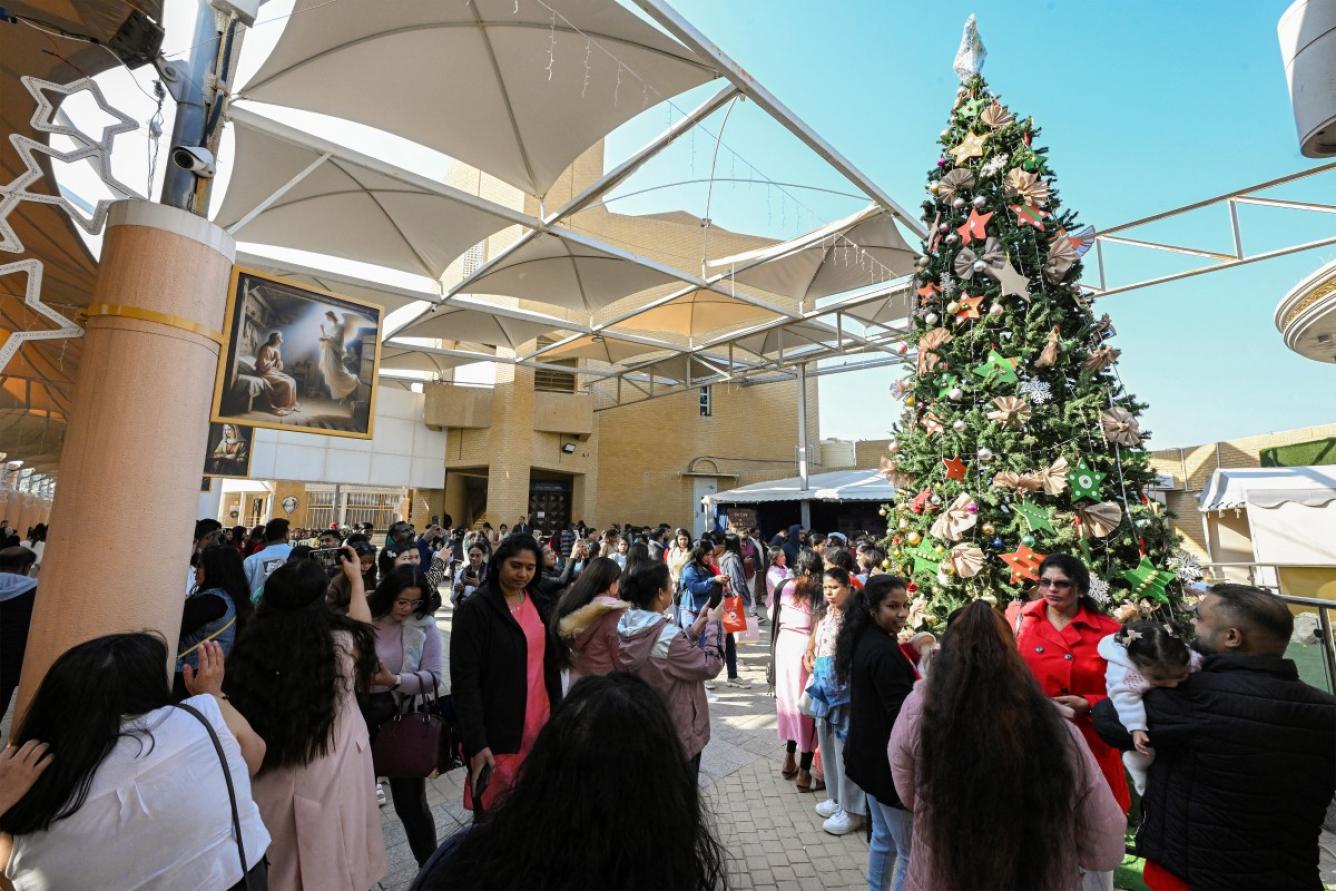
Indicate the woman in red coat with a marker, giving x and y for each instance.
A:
(1058, 635)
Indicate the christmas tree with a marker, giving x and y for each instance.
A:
(1018, 439)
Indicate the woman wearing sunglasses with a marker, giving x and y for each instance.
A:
(1058, 634)
(411, 660)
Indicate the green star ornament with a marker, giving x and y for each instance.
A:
(1085, 482)
(946, 383)
(1147, 581)
(1036, 516)
(998, 367)
(925, 558)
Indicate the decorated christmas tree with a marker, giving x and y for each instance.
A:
(1018, 438)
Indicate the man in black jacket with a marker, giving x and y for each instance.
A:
(1245, 755)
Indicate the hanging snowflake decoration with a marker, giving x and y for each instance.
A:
(1186, 567)
(948, 285)
(1099, 590)
(1307, 629)
(1036, 391)
(995, 165)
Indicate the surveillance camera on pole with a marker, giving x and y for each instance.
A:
(197, 159)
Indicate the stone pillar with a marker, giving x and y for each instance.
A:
(136, 434)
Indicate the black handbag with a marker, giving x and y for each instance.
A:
(408, 742)
(256, 879)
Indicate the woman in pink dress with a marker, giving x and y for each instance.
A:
(791, 628)
(269, 366)
(504, 675)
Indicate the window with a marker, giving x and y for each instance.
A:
(548, 381)
(319, 508)
(705, 407)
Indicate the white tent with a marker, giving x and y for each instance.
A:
(1291, 512)
(835, 485)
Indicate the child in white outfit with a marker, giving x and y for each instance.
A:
(1141, 656)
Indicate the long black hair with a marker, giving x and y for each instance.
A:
(990, 742)
(858, 617)
(701, 550)
(641, 588)
(620, 802)
(283, 672)
(223, 569)
(807, 573)
(637, 555)
(395, 582)
(1075, 570)
(597, 576)
(80, 710)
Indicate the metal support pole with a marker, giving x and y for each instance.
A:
(805, 506)
(178, 187)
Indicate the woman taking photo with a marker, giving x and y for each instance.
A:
(629, 817)
(1005, 793)
(1059, 636)
(470, 576)
(134, 795)
(411, 660)
(294, 674)
(673, 661)
(503, 669)
(868, 657)
(790, 630)
(220, 607)
(586, 621)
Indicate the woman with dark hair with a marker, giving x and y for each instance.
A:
(828, 694)
(585, 620)
(678, 555)
(411, 660)
(1058, 635)
(470, 574)
(629, 817)
(219, 608)
(294, 674)
(134, 795)
(731, 567)
(699, 581)
(239, 539)
(775, 573)
(637, 555)
(504, 675)
(790, 629)
(880, 675)
(674, 661)
(255, 541)
(1005, 793)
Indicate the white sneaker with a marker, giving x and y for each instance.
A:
(737, 682)
(842, 823)
(711, 685)
(380, 795)
(828, 808)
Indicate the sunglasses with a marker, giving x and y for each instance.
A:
(1060, 584)
(402, 602)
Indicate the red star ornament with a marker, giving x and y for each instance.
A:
(927, 291)
(969, 308)
(974, 227)
(1024, 563)
(1028, 216)
(955, 468)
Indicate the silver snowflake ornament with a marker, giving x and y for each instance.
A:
(1099, 590)
(1186, 567)
(948, 285)
(1037, 392)
(995, 165)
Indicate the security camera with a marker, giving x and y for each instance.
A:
(197, 159)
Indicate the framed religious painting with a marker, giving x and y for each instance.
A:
(297, 358)
(228, 450)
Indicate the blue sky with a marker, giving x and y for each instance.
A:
(1145, 106)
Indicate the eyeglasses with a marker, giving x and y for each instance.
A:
(1060, 584)
(402, 602)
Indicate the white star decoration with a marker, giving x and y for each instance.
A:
(32, 296)
(44, 120)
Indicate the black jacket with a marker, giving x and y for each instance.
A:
(488, 670)
(1245, 765)
(879, 680)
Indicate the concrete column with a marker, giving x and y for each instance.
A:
(136, 433)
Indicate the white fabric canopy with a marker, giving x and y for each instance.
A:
(552, 270)
(863, 249)
(1269, 487)
(419, 359)
(601, 348)
(518, 88)
(477, 324)
(338, 283)
(348, 206)
(797, 338)
(836, 485)
(696, 315)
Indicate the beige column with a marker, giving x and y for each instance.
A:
(136, 433)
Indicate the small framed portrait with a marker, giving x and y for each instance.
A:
(228, 451)
(206, 484)
(297, 358)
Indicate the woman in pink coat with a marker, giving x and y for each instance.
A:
(1005, 793)
(790, 631)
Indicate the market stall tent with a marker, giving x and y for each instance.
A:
(840, 500)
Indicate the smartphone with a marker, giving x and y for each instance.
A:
(328, 557)
(484, 778)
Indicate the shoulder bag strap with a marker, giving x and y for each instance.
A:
(231, 791)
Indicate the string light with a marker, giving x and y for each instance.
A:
(551, 43)
(584, 86)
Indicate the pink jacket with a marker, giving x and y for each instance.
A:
(1101, 848)
(591, 633)
(664, 656)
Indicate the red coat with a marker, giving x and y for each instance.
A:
(1067, 663)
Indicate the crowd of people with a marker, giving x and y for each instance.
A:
(1002, 753)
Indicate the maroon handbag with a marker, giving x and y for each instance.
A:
(408, 744)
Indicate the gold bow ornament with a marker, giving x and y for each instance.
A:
(1012, 411)
(1021, 482)
(1053, 478)
(1120, 426)
(1100, 520)
(957, 519)
(966, 559)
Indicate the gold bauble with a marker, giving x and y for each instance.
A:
(904, 523)
(988, 529)
(914, 538)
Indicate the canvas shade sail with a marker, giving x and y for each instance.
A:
(502, 85)
(552, 270)
(794, 338)
(347, 209)
(891, 311)
(450, 321)
(1269, 487)
(600, 348)
(346, 286)
(697, 314)
(860, 250)
(420, 359)
(838, 485)
(683, 368)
